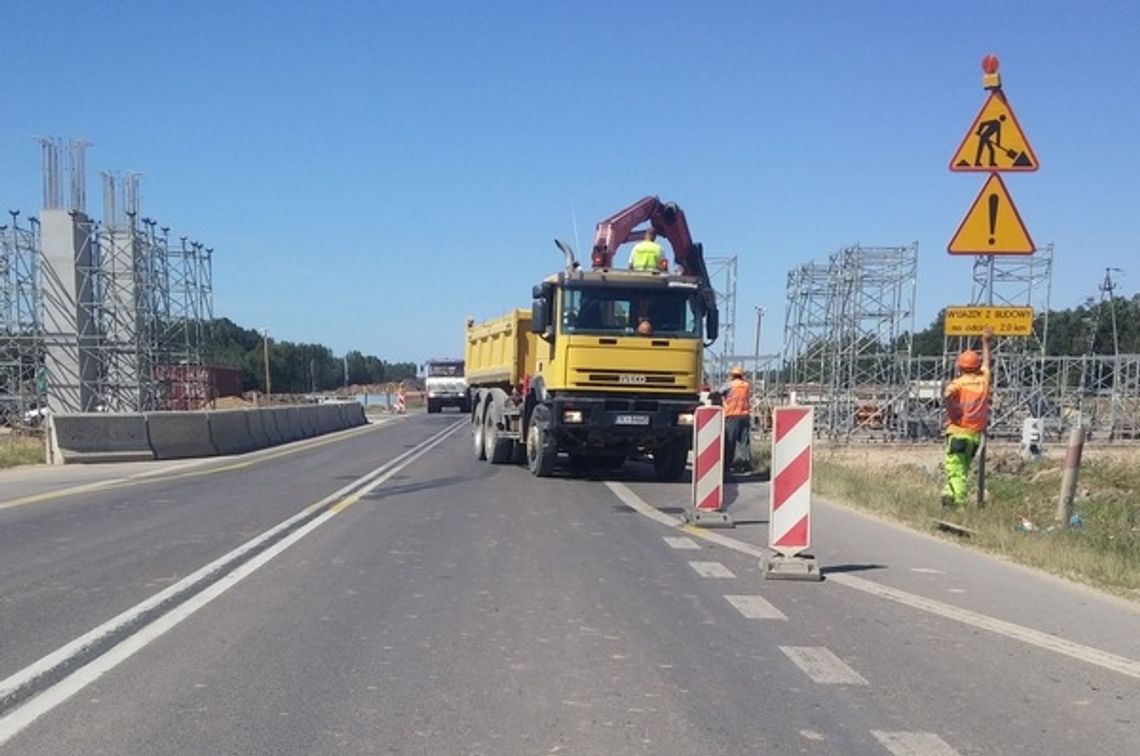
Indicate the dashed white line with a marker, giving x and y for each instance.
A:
(755, 607)
(1028, 635)
(1080, 652)
(914, 743)
(823, 666)
(927, 571)
(711, 570)
(681, 542)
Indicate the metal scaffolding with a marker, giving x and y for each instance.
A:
(97, 316)
(1018, 371)
(722, 274)
(21, 320)
(848, 338)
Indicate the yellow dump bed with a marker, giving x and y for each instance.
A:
(500, 351)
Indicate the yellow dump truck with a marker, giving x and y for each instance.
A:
(607, 363)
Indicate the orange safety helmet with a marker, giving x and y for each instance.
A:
(969, 361)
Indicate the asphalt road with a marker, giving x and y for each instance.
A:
(382, 592)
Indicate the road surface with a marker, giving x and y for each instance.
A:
(379, 591)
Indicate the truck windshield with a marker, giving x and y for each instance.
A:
(621, 311)
(445, 369)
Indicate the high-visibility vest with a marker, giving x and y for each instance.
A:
(646, 255)
(967, 400)
(738, 400)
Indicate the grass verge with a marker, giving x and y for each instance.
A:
(21, 450)
(904, 485)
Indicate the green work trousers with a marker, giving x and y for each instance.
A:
(960, 451)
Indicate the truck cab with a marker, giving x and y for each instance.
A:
(445, 385)
(617, 368)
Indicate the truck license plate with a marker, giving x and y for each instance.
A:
(631, 420)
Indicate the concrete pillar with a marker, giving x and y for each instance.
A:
(70, 338)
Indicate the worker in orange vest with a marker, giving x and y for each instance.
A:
(967, 403)
(737, 421)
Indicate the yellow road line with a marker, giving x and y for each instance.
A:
(151, 478)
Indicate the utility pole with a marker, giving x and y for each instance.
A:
(265, 352)
(756, 352)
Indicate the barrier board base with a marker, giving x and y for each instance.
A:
(709, 518)
(952, 527)
(799, 567)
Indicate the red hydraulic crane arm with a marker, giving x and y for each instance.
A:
(667, 220)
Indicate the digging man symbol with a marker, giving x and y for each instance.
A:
(989, 134)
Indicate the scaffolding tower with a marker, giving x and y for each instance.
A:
(722, 274)
(21, 320)
(848, 339)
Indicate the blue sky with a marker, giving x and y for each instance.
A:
(371, 173)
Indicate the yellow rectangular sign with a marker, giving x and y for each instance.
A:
(1006, 321)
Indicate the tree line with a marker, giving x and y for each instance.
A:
(1085, 329)
(294, 368)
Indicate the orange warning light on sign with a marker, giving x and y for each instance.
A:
(995, 141)
(992, 226)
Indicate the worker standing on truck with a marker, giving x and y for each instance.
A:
(737, 421)
(967, 403)
(646, 254)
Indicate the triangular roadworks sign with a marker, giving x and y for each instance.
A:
(995, 141)
(992, 226)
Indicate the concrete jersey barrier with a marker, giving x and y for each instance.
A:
(352, 413)
(257, 430)
(288, 423)
(229, 431)
(98, 437)
(177, 435)
(269, 420)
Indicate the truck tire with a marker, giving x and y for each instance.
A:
(477, 433)
(432, 407)
(498, 449)
(541, 451)
(669, 462)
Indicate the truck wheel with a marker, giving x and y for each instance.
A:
(432, 407)
(498, 449)
(477, 431)
(541, 451)
(518, 452)
(669, 462)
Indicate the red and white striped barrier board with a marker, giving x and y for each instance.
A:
(400, 406)
(708, 459)
(789, 515)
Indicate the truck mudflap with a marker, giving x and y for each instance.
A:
(600, 422)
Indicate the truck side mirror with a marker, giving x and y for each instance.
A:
(538, 320)
(712, 324)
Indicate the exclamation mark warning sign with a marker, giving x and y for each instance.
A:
(992, 226)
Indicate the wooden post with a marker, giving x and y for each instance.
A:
(1069, 479)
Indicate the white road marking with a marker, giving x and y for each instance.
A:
(1087, 654)
(927, 571)
(755, 607)
(681, 542)
(914, 743)
(24, 714)
(823, 666)
(1120, 664)
(711, 570)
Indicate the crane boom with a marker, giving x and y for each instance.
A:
(668, 220)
